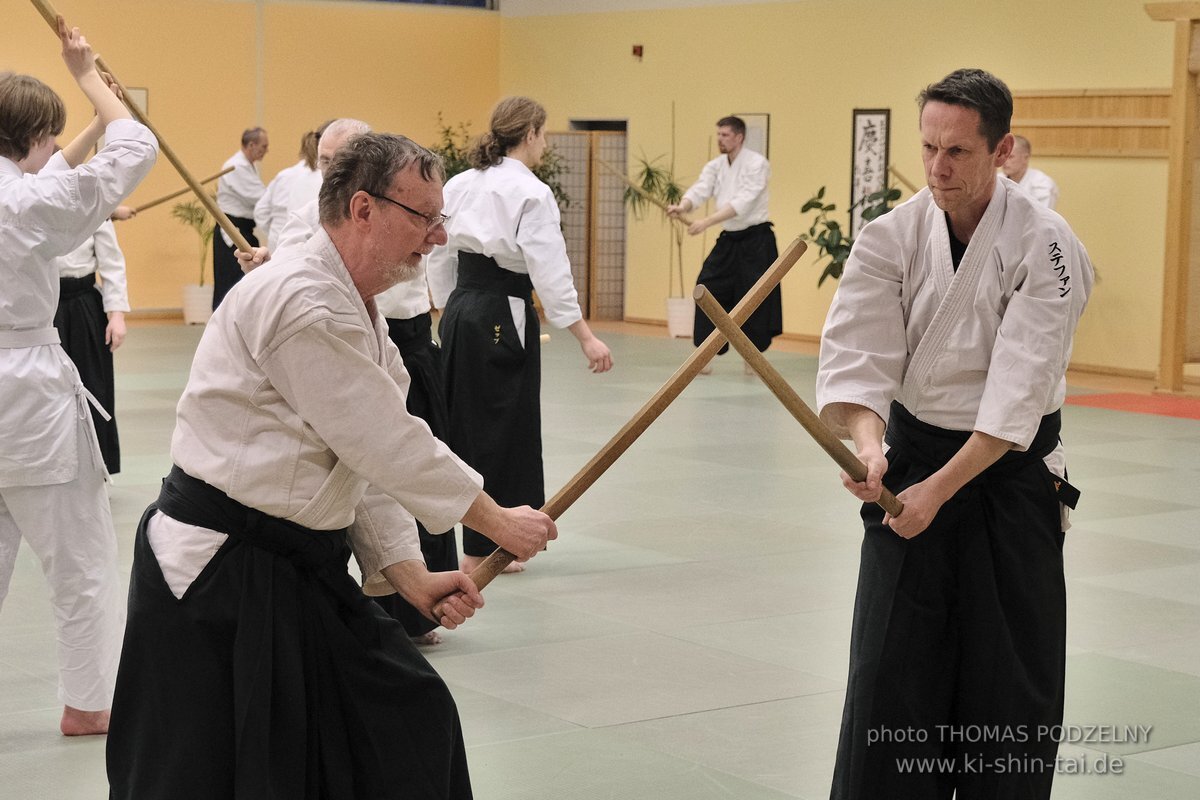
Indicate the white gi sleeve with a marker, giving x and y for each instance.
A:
(705, 185)
(1033, 343)
(110, 263)
(539, 236)
(864, 349)
(382, 534)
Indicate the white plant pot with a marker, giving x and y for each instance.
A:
(681, 311)
(197, 304)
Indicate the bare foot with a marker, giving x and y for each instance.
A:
(707, 369)
(427, 639)
(747, 369)
(83, 723)
(468, 564)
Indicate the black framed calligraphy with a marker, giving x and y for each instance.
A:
(869, 160)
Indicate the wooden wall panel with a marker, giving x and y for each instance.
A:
(1116, 123)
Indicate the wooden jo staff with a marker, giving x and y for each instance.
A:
(787, 395)
(184, 190)
(51, 16)
(494, 564)
(649, 198)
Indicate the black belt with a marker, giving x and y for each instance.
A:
(934, 446)
(69, 287)
(412, 333)
(482, 274)
(747, 233)
(195, 502)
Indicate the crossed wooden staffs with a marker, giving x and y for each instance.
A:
(728, 328)
(51, 16)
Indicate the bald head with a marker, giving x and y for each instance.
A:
(1018, 162)
(336, 134)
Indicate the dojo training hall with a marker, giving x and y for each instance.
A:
(687, 635)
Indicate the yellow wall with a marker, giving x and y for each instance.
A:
(808, 64)
(396, 66)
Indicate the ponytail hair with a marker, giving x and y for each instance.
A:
(512, 119)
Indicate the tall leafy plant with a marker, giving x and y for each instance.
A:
(196, 217)
(832, 241)
(658, 182)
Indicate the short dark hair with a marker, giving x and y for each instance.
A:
(368, 163)
(252, 135)
(737, 123)
(979, 90)
(29, 112)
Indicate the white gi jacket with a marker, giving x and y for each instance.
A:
(742, 185)
(100, 254)
(240, 190)
(984, 348)
(291, 188)
(405, 300)
(507, 213)
(1041, 186)
(42, 217)
(295, 406)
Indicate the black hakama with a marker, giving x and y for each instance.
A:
(81, 324)
(737, 260)
(493, 386)
(958, 646)
(273, 676)
(427, 400)
(227, 270)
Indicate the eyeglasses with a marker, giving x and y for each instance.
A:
(431, 220)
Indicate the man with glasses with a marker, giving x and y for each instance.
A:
(406, 309)
(254, 665)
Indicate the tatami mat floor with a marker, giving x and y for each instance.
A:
(687, 635)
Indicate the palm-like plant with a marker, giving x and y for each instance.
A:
(659, 188)
(196, 216)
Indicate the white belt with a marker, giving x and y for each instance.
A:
(33, 337)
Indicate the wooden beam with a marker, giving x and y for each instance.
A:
(1173, 12)
(1180, 172)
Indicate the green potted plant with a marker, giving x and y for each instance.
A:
(656, 186)
(197, 297)
(826, 233)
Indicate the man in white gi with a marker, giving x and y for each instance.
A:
(90, 320)
(953, 322)
(237, 194)
(52, 491)
(254, 665)
(737, 179)
(1037, 183)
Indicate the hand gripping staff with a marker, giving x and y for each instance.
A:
(832, 445)
(51, 16)
(494, 564)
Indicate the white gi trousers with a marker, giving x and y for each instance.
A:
(69, 528)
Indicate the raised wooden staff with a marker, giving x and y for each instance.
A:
(494, 564)
(649, 198)
(732, 331)
(184, 190)
(52, 17)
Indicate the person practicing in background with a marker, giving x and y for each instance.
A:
(237, 194)
(505, 240)
(91, 324)
(1037, 183)
(737, 179)
(254, 665)
(52, 475)
(948, 339)
(290, 188)
(405, 308)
